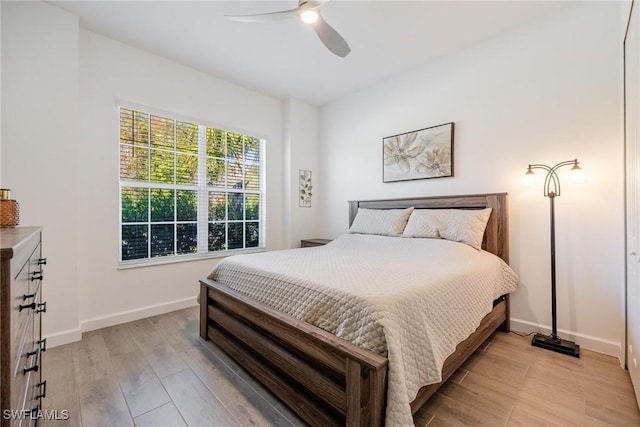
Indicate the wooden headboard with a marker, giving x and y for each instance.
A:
(496, 239)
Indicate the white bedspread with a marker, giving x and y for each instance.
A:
(412, 300)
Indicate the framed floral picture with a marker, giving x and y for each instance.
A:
(421, 154)
(306, 189)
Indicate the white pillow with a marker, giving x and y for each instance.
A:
(422, 223)
(462, 225)
(386, 222)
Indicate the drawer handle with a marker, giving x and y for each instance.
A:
(42, 261)
(33, 304)
(43, 387)
(43, 344)
(36, 364)
(42, 307)
(35, 412)
(27, 296)
(25, 306)
(37, 275)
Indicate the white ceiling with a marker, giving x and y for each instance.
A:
(284, 58)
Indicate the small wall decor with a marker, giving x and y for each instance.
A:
(421, 154)
(305, 189)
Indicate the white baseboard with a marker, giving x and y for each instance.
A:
(64, 337)
(136, 314)
(587, 342)
(73, 335)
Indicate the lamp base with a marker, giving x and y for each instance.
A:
(558, 345)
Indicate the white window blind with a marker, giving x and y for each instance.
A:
(187, 189)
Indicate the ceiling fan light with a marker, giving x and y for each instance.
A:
(309, 16)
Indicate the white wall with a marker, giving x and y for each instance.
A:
(60, 158)
(111, 71)
(301, 152)
(546, 92)
(39, 141)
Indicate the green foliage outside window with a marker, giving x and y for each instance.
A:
(160, 186)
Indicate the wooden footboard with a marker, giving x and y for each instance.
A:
(324, 379)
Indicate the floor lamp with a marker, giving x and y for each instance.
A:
(552, 190)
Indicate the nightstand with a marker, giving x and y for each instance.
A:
(308, 243)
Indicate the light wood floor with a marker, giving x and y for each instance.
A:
(157, 372)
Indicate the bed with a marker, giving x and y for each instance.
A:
(329, 380)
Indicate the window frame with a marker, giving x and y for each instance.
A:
(202, 190)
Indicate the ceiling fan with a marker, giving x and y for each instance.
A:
(308, 11)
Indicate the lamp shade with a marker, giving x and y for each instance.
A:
(577, 175)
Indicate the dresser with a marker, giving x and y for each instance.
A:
(21, 345)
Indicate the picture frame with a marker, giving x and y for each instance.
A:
(305, 188)
(420, 154)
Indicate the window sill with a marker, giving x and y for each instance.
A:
(125, 265)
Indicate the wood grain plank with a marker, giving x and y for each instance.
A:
(102, 404)
(118, 339)
(236, 395)
(141, 387)
(174, 335)
(604, 412)
(422, 418)
(187, 318)
(456, 413)
(458, 375)
(91, 360)
(198, 406)
(144, 333)
(618, 402)
(496, 404)
(62, 393)
(525, 390)
(496, 367)
(523, 418)
(163, 358)
(438, 422)
(354, 393)
(164, 416)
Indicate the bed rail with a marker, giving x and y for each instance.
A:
(327, 380)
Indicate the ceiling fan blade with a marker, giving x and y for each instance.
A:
(265, 17)
(331, 38)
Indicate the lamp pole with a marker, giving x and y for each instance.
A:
(554, 320)
(552, 190)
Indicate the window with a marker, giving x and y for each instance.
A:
(186, 189)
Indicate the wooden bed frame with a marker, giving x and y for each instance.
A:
(324, 379)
